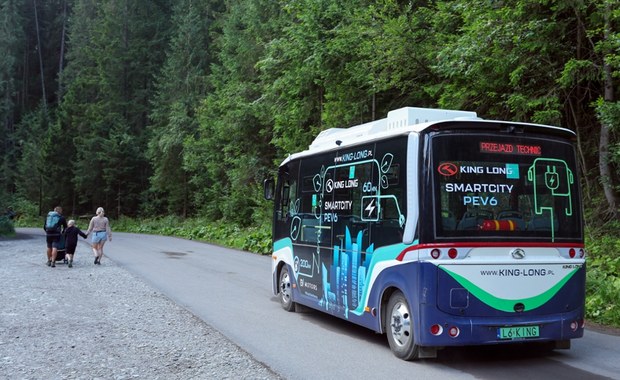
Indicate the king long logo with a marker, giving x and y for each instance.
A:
(448, 169)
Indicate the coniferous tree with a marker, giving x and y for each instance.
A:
(231, 153)
(11, 34)
(338, 64)
(608, 106)
(181, 85)
(31, 181)
(116, 48)
(78, 112)
(39, 178)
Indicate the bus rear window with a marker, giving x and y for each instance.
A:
(504, 187)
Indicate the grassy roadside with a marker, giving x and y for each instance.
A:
(603, 279)
(256, 239)
(251, 239)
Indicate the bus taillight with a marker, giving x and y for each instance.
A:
(574, 325)
(454, 331)
(435, 253)
(452, 253)
(571, 253)
(436, 330)
(582, 253)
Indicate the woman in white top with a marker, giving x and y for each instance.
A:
(100, 227)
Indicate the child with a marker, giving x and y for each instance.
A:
(71, 239)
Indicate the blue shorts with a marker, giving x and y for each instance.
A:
(99, 236)
(53, 241)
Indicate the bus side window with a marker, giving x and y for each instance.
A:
(389, 178)
(287, 202)
(290, 203)
(286, 188)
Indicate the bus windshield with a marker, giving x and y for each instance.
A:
(505, 187)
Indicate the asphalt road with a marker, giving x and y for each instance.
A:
(231, 291)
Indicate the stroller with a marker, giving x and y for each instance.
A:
(61, 254)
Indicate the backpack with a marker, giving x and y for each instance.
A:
(52, 221)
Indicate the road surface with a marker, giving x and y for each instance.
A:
(231, 291)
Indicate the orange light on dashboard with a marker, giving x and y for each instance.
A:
(498, 225)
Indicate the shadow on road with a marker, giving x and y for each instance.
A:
(512, 361)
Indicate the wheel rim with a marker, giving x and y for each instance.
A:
(400, 324)
(285, 287)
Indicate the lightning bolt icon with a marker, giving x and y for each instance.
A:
(371, 207)
(551, 178)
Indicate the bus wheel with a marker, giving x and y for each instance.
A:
(286, 299)
(400, 328)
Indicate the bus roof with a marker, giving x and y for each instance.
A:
(399, 121)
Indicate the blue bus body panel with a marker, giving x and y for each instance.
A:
(478, 323)
(426, 286)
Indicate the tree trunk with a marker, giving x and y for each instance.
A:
(40, 194)
(62, 50)
(582, 160)
(39, 49)
(604, 161)
(605, 170)
(23, 95)
(581, 32)
(118, 200)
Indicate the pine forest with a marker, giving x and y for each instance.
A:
(152, 108)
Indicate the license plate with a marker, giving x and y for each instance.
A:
(519, 332)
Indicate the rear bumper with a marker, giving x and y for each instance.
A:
(483, 330)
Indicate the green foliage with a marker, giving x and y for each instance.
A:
(230, 154)
(181, 85)
(7, 214)
(26, 212)
(609, 113)
(258, 240)
(6, 226)
(506, 59)
(11, 33)
(34, 139)
(117, 48)
(603, 279)
(251, 239)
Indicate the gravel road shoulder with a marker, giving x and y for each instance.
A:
(100, 322)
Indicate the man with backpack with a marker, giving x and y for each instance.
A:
(55, 225)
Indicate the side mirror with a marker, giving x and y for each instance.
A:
(269, 188)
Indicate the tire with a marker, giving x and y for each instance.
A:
(399, 328)
(285, 290)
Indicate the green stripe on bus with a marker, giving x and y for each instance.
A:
(507, 305)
